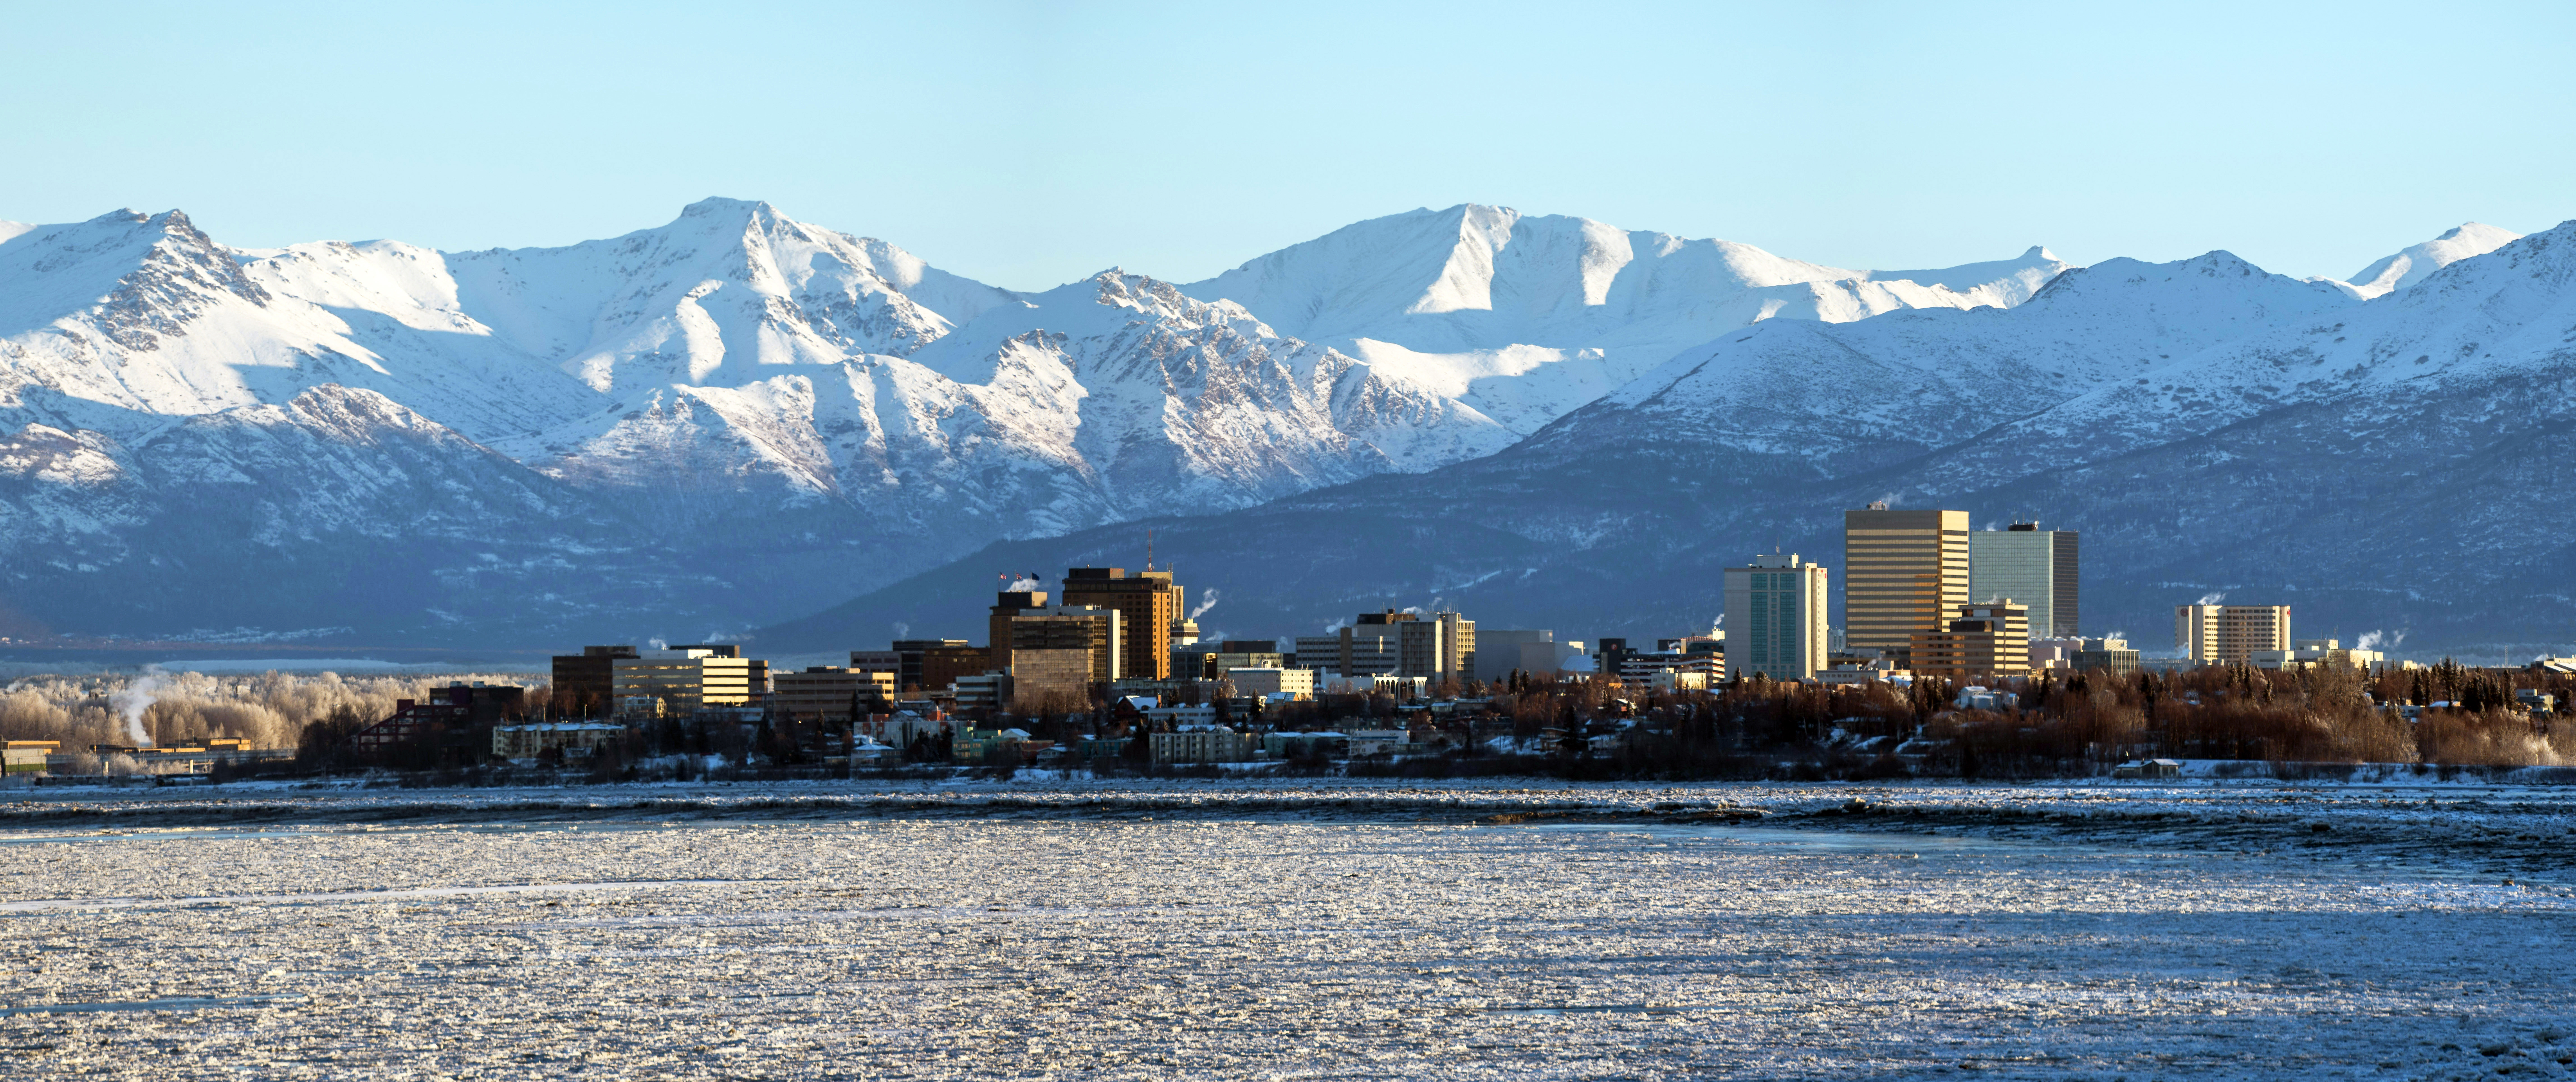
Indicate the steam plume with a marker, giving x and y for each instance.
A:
(1204, 605)
(134, 700)
(2211, 598)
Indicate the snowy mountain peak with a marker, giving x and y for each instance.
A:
(2413, 264)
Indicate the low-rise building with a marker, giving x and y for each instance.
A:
(1268, 680)
(1403, 688)
(1181, 715)
(1203, 744)
(1209, 661)
(27, 756)
(2306, 653)
(2108, 655)
(569, 737)
(1330, 745)
(1853, 672)
(984, 691)
(1668, 681)
(830, 694)
(989, 747)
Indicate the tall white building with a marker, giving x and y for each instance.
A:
(1775, 618)
(2033, 567)
(2230, 633)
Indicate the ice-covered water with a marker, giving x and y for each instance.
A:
(1271, 946)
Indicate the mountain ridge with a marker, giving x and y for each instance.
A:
(745, 411)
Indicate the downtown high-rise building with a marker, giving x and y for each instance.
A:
(2032, 566)
(1775, 613)
(1148, 604)
(1903, 572)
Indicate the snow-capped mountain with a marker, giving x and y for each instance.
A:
(2414, 264)
(2210, 428)
(745, 409)
(1526, 317)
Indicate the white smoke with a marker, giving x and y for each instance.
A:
(658, 643)
(1026, 585)
(1204, 605)
(902, 630)
(134, 700)
(1334, 627)
(2211, 598)
(2380, 640)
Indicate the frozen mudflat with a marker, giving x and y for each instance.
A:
(1250, 931)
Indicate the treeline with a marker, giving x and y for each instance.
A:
(270, 710)
(2050, 725)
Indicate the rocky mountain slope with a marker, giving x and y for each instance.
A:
(697, 427)
(2393, 465)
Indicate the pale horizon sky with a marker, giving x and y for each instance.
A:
(1029, 145)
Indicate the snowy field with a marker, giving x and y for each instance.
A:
(1259, 930)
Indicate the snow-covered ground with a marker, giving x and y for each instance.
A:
(1258, 929)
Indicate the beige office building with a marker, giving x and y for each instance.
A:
(1149, 604)
(1099, 634)
(1903, 572)
(831, 694)
(686, 680)
(1396, 642)
(1992, 639)
(2230, 633)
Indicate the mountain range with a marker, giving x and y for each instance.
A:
(734, 420)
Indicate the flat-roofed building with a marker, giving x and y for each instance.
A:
(1775, 613)
(910, 653)
(1990, 639)
(985, 691)
(943, 666)
(1051, 680)
(2032, 566)
(759, 667)
(830, 694)
(530, 741)
(2315, 653)
(1369, 650)
(1203, 744)
(685, 681)
(2223, 634)
(585, 683)
(1211, 660)
(1266, 680)
(1097, 632)
(998, 638)
(1149, 606)
(1903, 572)
(2108, 655)
(1396, 642)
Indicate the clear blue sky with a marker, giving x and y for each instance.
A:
(1029, 144)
